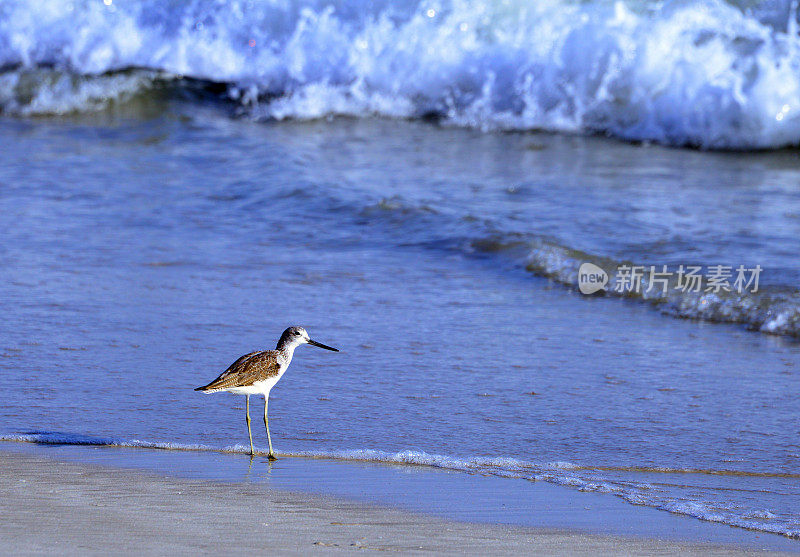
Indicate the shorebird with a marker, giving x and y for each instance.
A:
(257, 372)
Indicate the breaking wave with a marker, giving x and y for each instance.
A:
(771, 309)
(709, 74)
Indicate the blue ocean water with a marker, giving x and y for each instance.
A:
(181, 181)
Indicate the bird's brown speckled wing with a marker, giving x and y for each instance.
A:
(249, 369)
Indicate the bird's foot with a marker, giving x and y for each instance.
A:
(271, 457)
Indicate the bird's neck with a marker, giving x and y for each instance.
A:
(286, 348)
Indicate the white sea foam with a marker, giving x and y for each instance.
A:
(50, 92)
(773, 310)
(704, 73)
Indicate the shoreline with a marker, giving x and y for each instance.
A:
(96, 508)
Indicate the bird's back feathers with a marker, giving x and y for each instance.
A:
(247, 370)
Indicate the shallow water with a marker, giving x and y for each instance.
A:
(450, 494)
(144, 252)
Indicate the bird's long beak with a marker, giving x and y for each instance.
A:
(315, 343)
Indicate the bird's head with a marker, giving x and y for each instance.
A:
(298, 335)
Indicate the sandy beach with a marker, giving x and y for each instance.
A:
(51, 507)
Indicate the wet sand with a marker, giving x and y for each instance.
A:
(51, 506)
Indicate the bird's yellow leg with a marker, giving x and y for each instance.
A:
(271, 454)
(250, 433)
